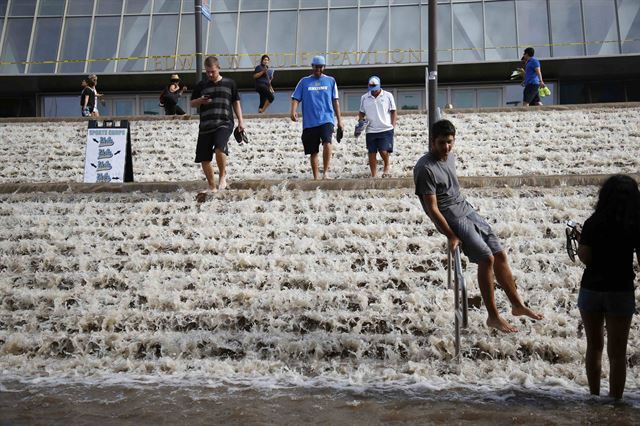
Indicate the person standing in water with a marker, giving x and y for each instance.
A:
(606, 299)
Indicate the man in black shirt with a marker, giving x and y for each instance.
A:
(218, 99)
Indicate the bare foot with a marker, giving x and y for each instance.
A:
(523, 310)
(326, 176)
(501, 325)
(222, 184)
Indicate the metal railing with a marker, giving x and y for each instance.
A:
(454, 267)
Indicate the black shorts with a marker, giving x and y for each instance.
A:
(531, 96)
(312, 137)
(208, 142)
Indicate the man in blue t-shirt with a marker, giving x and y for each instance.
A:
(318, 94)
(532, 78)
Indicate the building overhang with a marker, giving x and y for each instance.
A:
(618, 67)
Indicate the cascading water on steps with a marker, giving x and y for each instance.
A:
(339, 287)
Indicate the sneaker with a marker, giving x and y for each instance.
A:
(362, 124)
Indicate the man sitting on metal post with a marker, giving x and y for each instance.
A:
(437, 186)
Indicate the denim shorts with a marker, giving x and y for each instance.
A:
(621, 303)
(382, 141)
(478, 240)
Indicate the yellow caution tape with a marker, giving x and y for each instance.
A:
(309, 54)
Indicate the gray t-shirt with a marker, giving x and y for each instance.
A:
(439, 177)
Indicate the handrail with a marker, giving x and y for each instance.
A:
(454, 267)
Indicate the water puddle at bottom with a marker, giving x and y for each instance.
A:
(111, 404)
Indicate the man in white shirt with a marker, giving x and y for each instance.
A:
(379, 107)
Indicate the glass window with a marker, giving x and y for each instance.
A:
(312, 42)
(468, 40)
(307, 4)
(609, 91)
(629, 16)
(500, 22)
(104, 43)
(23, 8)
(229, 5)
(343, 36)
(573, 93)
(51, 7)
(74, 44)
(79, 7)
(45, 44)
(164, 34)
(352, 103)
(405, 21)
(443, 98)
(338, 3)
(187, 43)
(463, 98)
(16, 45)
(189, 6)
(281, 46)
(123, 107)
(374, 35)
(137, 6)
(254, 5)
(374, 2)
(404, 2)
(252, 37)
(109, 7)
(3, 7)
(150, 106)
(566, 28)
(222, 38)
(444, 33)
(489, 98)
(133, 42)
(62, 106)
(600, 27)
(167, 6)
(409, 100)
(533, 28)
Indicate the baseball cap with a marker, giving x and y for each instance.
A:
(374, 83)
(318, 60)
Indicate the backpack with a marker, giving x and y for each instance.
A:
(162, 95)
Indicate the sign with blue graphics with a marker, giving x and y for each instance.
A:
(105, 154)
(206, 9)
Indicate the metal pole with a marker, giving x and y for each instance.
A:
(433, 65)
(198, 14)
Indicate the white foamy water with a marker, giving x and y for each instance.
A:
(588, 141)
(279, 288)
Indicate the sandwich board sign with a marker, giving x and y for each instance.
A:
(108, 152)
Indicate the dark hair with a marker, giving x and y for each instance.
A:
(619, 203)
(529, 51)
(211, 61)
(442, 128)
(264, 56)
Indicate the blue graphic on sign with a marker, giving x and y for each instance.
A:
(105, 141)
(104, 153)
(103, 165)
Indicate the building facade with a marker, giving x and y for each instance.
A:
(590, 49)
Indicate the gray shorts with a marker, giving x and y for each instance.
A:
(621, 303)
(478, 240)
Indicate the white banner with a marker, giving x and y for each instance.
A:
(105, 155)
